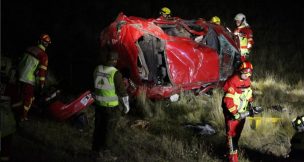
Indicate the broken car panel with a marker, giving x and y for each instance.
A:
(171, 56)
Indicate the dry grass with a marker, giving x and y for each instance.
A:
(165, 139)
(268, 138)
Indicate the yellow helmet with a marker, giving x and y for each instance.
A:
(165, 10)
(216, 20)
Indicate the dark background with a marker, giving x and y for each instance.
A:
(74, 27)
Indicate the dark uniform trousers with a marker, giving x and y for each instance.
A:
(105, 120)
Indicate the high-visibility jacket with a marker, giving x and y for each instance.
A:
(105, 93)
(245, 38)
(33, 65)
(237, 94)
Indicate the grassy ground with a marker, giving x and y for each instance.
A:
(164, 138)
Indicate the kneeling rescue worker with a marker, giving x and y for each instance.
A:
(236, 106)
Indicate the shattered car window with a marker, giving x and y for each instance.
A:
(175, 30)
(227, 53)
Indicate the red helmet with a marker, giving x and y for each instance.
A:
(246, 67)
(45, 38)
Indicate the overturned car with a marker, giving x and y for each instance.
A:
(170, 56)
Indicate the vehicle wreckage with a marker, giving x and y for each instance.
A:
(164, 56)
(171, 56)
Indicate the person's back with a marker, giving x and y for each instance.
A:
(110, 91)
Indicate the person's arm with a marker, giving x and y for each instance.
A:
(42, 69)
(229, 103)
(121, 91)
(249, 35)
(230, 92)
(119, 85)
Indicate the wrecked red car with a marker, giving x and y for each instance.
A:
(170, 56)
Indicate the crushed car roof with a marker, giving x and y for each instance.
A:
(170, 56)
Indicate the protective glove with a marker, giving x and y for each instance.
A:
(126, 104)
(249, 45)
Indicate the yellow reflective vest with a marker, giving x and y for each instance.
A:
(27, 68)
(245, 39)
(105, 94)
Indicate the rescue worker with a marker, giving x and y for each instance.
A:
(245, 35)
(109, 92)
(216, 20)
(165, 14)
(236, 106)
(32, 72)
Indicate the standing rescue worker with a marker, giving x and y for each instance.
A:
(109, 92)
(32, 72)
(245, 35)
(236, 106)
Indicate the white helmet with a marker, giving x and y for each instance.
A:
(240, 17)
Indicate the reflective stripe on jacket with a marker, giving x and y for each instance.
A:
(105, 93)
(237, 94)
(245, 37)
(243, 45)
(241, 99)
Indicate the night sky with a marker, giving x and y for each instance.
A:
(74, 26)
